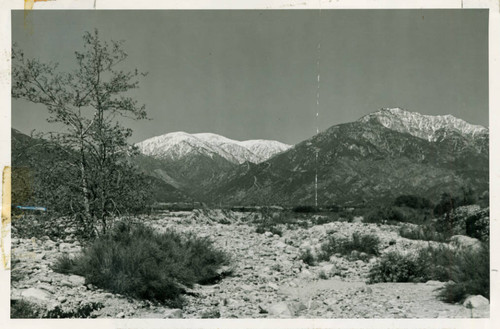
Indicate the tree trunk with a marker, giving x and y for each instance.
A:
(87, 217)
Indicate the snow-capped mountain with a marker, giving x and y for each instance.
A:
(178, 145)
(375, 159)
(428, 127)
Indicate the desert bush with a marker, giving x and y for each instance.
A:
(353, 247)
(430, 263)
(396, 214)
(134, 260)
(394, 267)
(469, 274)
(322, 275)
(264, 227)
(424, 232)
(466, 271)
(448, 202)
(307, 257)
(413, 201)
(64, 264)
(21, 309)
(305, 209)
(478, 226)
(38, 225)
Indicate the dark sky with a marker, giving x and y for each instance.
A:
(253, 74)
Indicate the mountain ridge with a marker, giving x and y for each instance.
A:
(365, 161)
(421, 125)
(177, 145)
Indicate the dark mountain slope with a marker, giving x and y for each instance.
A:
(361, 162)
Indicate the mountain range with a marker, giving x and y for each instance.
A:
(193, 162)
(180, 145)
(382, 155)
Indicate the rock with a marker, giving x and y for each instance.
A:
(65, 246)
(433, 283)
(328, 269)
(224, 271)
(36, 295)
(46, 279)
(357, 219)
(76, 280)
(280, 310)
(120, 315)
(476, 301)
(47, 287)
(174, 313)
(153, 315)
(273, 286)
(268, 234)
(330, 301)
(465, 242)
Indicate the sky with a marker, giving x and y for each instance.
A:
(253, 74)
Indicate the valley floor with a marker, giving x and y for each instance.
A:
(268, 279)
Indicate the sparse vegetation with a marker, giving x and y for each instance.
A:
(466, 270)
(307, 257)
(423, 232)
(360, 246)
(397, 214)
(21, 309)
(478, 226)
(469, 274)
(305, 209)
(413, 201)
(136, 261)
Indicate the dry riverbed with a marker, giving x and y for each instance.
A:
(267, 280)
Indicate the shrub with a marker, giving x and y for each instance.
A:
(305, 209)
(397, 214)
(425, 232)
(307, 257)
(470, 275)
(322, 275)
(467, 271)
(394, 267)
(134, 260)
(478, 226)
(21, 309)
(413, 201)
(366, 243)
(263, 228)
(64, 264)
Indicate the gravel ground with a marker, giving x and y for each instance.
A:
(268, 279)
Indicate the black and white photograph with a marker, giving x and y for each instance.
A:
(250, 164)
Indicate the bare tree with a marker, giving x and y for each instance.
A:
(87, 102)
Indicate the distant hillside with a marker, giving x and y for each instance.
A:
(30, 156)
(379, 157)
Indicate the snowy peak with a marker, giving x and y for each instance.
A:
(177, 145)
(428, 127)
(264, 149)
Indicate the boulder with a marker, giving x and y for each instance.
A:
(36, 295)
(76, 280)
(476, 301)
(357, 219)
(330, 301)
(465, 242)
(174, 313)
(280, 310)
(328, 269)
